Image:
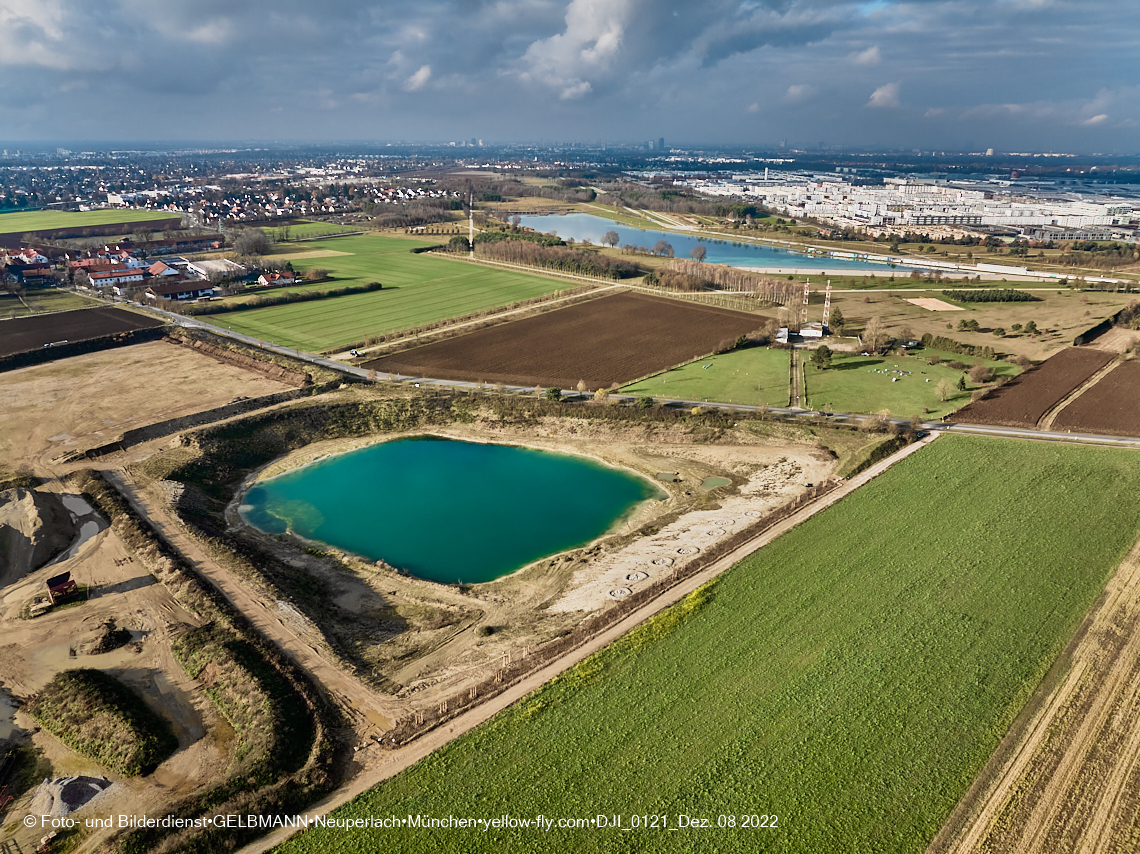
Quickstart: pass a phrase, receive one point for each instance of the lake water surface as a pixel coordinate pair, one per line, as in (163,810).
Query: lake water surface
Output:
(446,510)
(589,227)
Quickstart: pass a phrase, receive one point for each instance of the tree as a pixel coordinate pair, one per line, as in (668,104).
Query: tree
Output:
(821,357)
(999,332)
(944,388)
(874,335)
(610,238)
(837,322)
(553,394)
(980,373)
(697,253)
(962,383)
(662,248)
(459,243)
(1030,328)
(645,402)
(251,241)
(515,220)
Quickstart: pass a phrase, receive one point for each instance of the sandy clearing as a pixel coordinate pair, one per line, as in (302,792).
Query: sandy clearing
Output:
(932,304)
(1064,777)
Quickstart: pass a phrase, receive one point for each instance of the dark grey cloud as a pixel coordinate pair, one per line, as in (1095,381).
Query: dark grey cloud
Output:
(1028,73)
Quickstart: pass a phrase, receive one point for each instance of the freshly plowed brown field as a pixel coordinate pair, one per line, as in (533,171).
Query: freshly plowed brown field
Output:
(614,339)
(30,333)
(1111,407)
(1022,402)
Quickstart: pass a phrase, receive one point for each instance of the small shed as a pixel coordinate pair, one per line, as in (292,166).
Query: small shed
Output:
(60,587)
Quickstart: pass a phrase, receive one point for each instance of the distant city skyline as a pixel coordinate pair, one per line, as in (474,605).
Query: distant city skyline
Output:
(1012,75)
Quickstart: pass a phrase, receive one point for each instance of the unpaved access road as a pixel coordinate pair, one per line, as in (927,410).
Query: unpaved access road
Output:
(404,757)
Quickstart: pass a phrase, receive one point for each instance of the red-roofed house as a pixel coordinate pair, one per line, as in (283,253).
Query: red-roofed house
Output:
(276,279)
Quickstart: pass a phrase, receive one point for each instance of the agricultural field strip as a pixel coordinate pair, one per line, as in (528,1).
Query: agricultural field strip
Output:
(617,338)
(1022,403)
(1045,422)
(1108,406)
(406,756)
(33,221)
(34,331)
(1031,744)
(493,318)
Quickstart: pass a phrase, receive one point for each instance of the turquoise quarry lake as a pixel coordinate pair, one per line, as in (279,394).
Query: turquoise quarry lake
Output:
(734,253)
(447,510)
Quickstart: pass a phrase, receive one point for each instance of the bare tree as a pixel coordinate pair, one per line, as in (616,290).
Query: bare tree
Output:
(610,238)
(874,335)
(945,389)
(662,248)
(697,253)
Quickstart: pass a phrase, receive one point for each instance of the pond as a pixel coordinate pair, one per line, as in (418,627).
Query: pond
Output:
(446,510)
(719,251)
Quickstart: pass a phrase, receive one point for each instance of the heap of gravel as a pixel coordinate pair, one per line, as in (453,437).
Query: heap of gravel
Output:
(64,795)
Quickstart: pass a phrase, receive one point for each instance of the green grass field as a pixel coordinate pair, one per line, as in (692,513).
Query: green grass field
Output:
(308,228)
(750,377)
(42,300)
(22,223)
(418,289)
(851,678)
(864,383)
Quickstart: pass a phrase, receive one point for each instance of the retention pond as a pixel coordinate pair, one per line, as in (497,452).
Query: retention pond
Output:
(446,510)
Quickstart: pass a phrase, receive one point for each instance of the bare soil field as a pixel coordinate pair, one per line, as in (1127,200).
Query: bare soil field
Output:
(1110,406)
(1023,402)
(1116,340)
(31,333)
(87,400)
(614,339)
(1065,778)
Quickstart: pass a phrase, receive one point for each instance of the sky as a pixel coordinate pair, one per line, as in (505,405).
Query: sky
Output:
(1013,75)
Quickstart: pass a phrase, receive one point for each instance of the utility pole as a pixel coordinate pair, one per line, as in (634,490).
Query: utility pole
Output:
(471,223)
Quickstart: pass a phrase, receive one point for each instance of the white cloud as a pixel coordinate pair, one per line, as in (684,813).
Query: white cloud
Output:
(798,92)
(584,51)
(1096,120)
(418,80)
(870,56)
(754,107)
(886,95)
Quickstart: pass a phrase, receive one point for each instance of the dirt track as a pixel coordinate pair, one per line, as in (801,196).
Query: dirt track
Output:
(1066,778)
(405,757)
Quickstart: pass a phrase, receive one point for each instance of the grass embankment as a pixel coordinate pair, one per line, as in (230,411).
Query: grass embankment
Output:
(752,376)
(851,678)
(99,717)
(902,385)
(283,759)
(418,289)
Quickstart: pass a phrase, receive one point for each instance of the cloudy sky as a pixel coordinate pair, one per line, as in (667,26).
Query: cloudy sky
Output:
(1010,74)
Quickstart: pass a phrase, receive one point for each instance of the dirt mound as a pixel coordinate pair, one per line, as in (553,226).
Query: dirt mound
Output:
(268,369)
(34,528)
(64,795)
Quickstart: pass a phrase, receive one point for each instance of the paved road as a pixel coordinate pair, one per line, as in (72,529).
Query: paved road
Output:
(789,413)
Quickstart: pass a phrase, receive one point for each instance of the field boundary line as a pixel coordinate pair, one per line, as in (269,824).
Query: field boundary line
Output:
(409,754)
(1045,422)
(1050,714)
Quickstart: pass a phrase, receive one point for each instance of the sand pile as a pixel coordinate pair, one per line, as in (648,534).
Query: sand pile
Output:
(63,795)
(34,528)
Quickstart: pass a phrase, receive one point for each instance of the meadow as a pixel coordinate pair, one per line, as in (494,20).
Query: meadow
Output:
(851,678)
(750,377)
(40,300)
(418,289)
(856,383)
(31,221)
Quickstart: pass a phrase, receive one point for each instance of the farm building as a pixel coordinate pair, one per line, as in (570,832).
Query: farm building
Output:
(180,291)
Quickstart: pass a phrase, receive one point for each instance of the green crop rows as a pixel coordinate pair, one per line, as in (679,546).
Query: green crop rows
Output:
(752,376)
(851,678)
(418,289)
